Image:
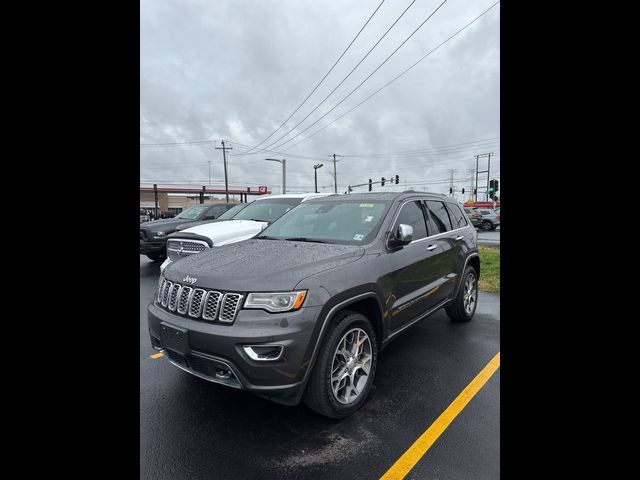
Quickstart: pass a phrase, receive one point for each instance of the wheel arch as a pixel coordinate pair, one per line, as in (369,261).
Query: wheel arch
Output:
(366,303)
(472,259)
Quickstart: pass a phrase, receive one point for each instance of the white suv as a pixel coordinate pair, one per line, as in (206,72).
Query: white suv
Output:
(247,223)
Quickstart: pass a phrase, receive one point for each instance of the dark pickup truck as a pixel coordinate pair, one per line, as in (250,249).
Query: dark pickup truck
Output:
(153,235)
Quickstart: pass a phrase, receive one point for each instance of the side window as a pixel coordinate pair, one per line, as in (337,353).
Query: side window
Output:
(439,221)
(458,219)
(215,212)
(220,209)
(412,214)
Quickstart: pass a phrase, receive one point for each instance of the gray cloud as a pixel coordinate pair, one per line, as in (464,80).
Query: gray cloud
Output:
(235,69)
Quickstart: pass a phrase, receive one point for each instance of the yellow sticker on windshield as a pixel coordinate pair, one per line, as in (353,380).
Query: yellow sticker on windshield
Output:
(366,205)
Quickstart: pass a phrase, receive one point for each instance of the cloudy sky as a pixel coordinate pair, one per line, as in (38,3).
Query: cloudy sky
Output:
(235,70)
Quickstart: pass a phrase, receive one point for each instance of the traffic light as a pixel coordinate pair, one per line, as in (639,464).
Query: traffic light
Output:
(350,189)
(450,190)
(475,191)
(370,185)
(463,191)
(495,185)
(491,188)
(397,179)
(382,182)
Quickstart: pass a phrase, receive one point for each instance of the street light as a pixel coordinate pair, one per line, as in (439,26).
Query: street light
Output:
(315,173)
(284,172)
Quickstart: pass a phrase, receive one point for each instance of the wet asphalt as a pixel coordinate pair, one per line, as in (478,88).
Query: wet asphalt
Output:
(492,237)
(191,428)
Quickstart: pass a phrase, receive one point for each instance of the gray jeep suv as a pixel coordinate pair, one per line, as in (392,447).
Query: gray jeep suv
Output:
(301,310)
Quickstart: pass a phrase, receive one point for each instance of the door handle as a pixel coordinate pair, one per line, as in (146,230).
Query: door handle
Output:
(460,237)
(432,247)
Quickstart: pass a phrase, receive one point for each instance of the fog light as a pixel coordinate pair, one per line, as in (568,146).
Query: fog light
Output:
(223,374)
(263,352)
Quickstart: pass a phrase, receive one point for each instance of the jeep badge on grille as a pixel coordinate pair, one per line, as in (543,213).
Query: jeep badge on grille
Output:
(189,280)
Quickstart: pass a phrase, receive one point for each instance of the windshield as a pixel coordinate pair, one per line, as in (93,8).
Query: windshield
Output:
(347,222)
(193,213)
(267,210)
(231,212)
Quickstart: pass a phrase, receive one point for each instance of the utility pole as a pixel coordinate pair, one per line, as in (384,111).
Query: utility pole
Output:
(472,173)
(315,174)
(209,172)
(224,159)
(451,171)
(335,172)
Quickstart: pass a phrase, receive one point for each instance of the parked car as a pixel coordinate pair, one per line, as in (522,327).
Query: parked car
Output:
(301,311)
(490,219)
(474,216)
(153,235)
(244,225)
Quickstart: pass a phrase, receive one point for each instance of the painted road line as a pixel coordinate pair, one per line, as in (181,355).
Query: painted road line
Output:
(157,355)
(416,451)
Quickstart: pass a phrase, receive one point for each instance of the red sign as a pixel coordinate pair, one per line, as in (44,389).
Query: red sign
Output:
(262,189)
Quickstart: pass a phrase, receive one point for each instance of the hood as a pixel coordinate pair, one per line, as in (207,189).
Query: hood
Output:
(228,231)
(261,265)
(191,223)
(164,225)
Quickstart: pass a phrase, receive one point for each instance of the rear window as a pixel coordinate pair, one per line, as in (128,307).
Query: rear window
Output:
(458,219)
(439,221)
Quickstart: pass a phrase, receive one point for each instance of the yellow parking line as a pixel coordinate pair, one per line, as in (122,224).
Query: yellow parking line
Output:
(157,355)
(415,452)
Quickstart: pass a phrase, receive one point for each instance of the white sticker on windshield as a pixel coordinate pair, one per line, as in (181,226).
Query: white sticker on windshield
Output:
(368,219)
(358,236)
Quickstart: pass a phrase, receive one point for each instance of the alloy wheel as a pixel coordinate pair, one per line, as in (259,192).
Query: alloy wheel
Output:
(351,366)
(470,294)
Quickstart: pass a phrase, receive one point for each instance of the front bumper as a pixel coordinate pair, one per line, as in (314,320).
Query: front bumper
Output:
(147,248)
(213,348)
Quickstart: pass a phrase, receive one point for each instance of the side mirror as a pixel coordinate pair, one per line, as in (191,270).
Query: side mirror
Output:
(403,235)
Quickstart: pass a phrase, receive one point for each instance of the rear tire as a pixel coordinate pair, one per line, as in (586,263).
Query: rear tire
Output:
(340,398)
(465,303)
(486,225)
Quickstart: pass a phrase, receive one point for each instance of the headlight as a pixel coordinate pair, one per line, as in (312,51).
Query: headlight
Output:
(159,234)
(276,302)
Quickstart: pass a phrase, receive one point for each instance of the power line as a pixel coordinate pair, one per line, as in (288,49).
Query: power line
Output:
(264,150)
(322,80)
(363,82)
(462,146)
(426,153)
(393,79)
(348,75)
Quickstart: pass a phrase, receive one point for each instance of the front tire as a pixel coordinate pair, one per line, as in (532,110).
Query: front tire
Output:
(465,303)
(156,257)
(486,225)
(345,368)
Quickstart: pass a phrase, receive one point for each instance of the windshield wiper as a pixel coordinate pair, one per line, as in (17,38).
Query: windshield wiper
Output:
(267,237)
(304,239)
